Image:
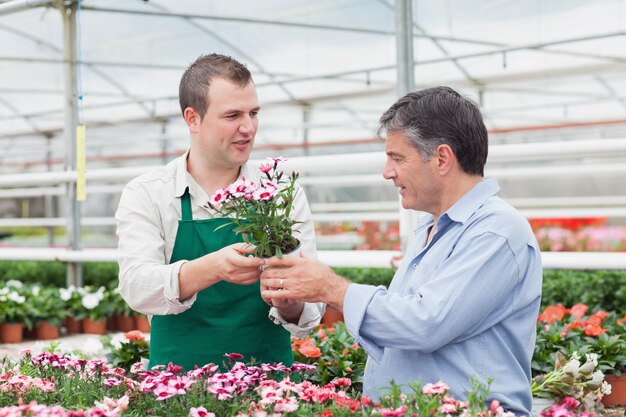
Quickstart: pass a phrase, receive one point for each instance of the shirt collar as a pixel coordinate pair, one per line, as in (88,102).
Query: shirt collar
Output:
(181,174)
(184,180)
(472,200)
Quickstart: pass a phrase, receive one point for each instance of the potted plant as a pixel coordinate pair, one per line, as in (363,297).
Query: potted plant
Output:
(123,314)
(14,312)
(97,310)
(49,311)
(261,210)
(75,310)
(569,330)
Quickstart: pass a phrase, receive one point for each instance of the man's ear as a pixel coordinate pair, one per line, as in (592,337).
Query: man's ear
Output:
(192,118)
(446,159)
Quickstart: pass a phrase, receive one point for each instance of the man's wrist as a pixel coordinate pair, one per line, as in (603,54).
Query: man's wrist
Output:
(337,291)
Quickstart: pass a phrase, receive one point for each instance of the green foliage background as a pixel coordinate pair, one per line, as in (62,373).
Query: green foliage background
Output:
(601,289)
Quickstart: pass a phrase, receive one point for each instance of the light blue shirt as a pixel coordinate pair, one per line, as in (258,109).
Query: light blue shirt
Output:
(464,305)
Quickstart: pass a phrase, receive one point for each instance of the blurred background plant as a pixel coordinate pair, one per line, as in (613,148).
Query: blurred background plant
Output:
(13,305)
(47,305)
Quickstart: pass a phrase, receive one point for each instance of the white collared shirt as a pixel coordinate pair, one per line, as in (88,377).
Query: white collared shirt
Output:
(147,222)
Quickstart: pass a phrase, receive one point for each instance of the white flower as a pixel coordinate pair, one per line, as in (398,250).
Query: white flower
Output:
(593,358)
(597,377)
(117,340)
(590,364)
(14,283)
(100,292)
(14,296)
(572,367)
(36,290)
(65,294)
(90,301)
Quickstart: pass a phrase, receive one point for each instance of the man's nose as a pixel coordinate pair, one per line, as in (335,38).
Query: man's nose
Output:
(247,125)
(388,172)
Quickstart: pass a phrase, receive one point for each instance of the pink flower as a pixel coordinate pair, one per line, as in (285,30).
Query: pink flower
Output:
(286,405)
(200,412)
(495,407)
(433,389)
(112,406)
(112,382)
(241,187)
(570,402)
(341,382)
(447,409)
(163,392)
(219,197)
(234,356)
(137,368)
(266,167)
(390,412)
(263,194)
(270,185)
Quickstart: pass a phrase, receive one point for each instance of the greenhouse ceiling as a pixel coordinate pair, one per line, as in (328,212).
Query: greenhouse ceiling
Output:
(325,70)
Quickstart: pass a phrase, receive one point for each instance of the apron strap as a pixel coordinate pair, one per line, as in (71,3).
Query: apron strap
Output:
(185,205)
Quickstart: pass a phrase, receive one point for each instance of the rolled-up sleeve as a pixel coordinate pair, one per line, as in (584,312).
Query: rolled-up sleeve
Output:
(309,318)
(147,283)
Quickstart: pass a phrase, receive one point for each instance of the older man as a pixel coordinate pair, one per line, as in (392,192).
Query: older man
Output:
(465,300)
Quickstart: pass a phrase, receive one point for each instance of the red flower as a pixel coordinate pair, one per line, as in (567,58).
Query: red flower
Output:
(234,356)
(578,310)
(552,314)
(308,349)
(134,335)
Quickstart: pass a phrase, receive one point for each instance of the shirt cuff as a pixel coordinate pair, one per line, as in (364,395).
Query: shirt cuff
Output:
(355,303)
(310,317)
(171,290)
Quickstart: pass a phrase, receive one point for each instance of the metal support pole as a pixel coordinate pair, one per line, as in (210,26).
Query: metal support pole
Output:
(405,84)
(404,47)
(68,11)
(306,118)
(49,207)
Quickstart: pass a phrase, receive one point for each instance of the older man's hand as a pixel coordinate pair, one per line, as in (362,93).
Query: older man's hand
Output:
(304,279)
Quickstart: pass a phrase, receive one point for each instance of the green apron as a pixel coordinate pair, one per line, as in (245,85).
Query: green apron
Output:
(225,318)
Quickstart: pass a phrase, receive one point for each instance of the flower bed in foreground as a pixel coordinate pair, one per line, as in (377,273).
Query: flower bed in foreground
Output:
(51,384)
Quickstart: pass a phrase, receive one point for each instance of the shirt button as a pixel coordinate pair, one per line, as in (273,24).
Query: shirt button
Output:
(414,266)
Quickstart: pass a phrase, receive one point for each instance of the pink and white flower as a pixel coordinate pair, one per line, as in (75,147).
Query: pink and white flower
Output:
(200,412)
(218,198)
(434,389)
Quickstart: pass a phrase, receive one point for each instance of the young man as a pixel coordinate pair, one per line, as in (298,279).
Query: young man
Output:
(196,282)
(465,299)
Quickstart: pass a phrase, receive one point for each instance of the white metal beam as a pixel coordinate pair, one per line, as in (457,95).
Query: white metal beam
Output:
(19,5)
(339,258)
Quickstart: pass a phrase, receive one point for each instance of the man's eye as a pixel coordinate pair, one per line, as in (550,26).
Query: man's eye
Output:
(254,113)
(231,116)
